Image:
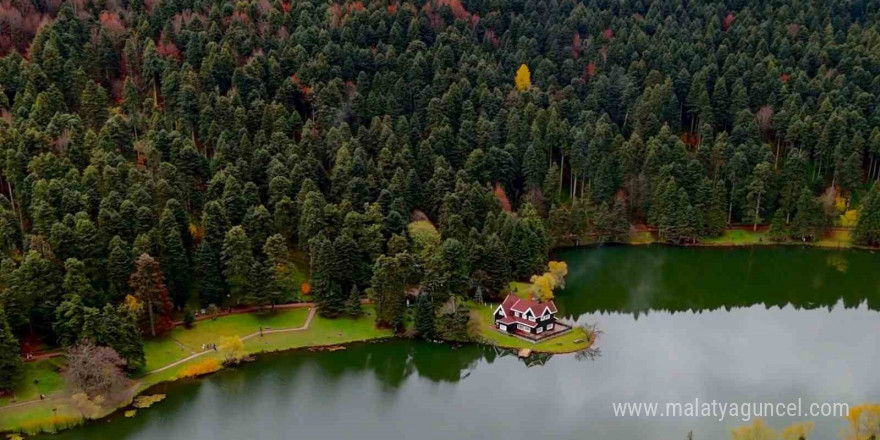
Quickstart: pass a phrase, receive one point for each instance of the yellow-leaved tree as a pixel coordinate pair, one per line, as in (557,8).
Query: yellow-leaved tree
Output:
(863,421)
(232,348)
(758,430)
(797,431)
(543,285)
(523,78)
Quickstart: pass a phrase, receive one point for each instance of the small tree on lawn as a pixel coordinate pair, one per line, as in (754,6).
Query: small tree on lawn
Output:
(149,287)
(232,348)
(95,371)
(353,304)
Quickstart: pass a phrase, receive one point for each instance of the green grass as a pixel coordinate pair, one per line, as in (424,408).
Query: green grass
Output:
(322,331)
(40,377)
(482,314)
(164,350)
(520,289)
(738,237)
(210,331)
(40,417)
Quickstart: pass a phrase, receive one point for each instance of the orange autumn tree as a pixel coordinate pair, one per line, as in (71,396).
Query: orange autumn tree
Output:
(523,78)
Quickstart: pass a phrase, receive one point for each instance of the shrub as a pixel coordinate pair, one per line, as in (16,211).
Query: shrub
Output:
(201,368)
(188,318)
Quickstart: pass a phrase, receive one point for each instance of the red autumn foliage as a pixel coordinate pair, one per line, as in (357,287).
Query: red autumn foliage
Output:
(339,14)
(492,38)
(285,7)
(296,81)
(116,86)
(168,50)
(392,9)
(263,7)
(794,29)
(728,21)
(576,45)
(240,17)
(112,23)
(19,23)
(458,10)
(607,34)
(589,71)
(784,77)
(502,198)
(434,18)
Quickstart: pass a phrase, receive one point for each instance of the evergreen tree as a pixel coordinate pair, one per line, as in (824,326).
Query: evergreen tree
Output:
(11,369)
(173,258)
(867,230)
(353,305)
(238,263)
(425,317)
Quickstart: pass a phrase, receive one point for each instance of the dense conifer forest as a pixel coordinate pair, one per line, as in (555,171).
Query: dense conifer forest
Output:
(166,155)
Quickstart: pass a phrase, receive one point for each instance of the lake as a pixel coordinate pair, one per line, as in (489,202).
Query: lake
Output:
(678,324)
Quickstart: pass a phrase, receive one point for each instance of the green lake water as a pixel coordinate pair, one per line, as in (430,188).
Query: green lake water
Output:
(733,325)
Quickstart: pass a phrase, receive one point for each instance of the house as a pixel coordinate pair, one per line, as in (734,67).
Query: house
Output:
(522,316)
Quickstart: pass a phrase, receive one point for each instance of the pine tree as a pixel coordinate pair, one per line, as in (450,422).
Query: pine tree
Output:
(326,288)
(173,258)
(425,317)
(777,226)
(353,305)
(387,290)
(119,265)
(867,230)
(238,263)
(11,369)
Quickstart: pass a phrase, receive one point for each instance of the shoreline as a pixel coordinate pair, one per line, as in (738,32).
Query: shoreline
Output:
(255,347)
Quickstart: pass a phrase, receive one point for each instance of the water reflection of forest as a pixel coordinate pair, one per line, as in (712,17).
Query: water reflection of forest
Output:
(637,280)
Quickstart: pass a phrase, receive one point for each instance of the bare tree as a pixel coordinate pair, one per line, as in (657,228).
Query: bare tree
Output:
(95,371)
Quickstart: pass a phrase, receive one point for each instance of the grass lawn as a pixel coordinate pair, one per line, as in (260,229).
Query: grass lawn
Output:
(41,377)
(210,331)
(520,289)
(40,417)
(482,314)
(322,332)
(164,350)
(738,237)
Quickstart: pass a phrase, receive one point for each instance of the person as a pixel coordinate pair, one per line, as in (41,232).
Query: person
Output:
(42,397)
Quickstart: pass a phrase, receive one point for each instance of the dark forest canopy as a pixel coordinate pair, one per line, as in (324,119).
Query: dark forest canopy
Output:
(217,137)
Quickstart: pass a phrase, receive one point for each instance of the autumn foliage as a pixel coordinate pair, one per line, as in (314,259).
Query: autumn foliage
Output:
(200,368)
(523,78)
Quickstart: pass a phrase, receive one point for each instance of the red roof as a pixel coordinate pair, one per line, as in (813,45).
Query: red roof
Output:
(514,303)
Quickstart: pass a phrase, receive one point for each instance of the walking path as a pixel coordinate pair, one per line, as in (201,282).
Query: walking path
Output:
(305,326)
(55,353)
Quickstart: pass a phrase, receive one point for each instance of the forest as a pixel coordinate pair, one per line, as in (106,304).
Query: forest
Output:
(162,156)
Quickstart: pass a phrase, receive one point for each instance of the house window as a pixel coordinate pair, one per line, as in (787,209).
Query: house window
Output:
(522,327)
(550,326)
(540,330)
(502,327)
(532,318)
(516,314)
